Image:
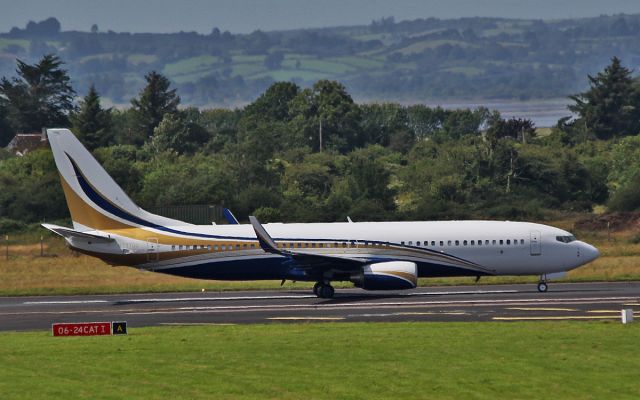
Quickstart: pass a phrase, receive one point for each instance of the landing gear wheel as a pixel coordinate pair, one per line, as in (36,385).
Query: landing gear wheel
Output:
(542,287)
(316,288)
(326,291)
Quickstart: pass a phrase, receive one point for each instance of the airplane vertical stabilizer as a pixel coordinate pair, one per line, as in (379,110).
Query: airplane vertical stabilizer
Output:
(95,200)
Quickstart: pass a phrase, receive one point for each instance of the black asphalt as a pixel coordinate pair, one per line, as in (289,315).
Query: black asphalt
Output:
(577,301)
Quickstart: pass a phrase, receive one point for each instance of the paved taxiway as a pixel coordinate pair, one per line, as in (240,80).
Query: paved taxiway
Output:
(578,301)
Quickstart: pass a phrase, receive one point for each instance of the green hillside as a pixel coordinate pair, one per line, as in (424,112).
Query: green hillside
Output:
(468,58)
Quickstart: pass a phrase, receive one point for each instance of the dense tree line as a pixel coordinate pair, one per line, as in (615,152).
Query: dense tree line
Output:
(375,161)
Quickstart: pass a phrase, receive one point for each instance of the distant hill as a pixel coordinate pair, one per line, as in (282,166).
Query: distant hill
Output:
(408,61)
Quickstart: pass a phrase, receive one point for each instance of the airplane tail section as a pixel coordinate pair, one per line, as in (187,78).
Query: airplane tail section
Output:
(95,200)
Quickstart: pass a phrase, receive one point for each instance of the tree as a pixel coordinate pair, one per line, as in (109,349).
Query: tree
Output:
(154,101)
(274,103)
(41,96)
(329,102)
(274,60)
(92,123)
(179,133)
(611,106)
(6,133)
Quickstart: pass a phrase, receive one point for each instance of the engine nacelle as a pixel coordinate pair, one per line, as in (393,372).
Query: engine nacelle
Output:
(391,275)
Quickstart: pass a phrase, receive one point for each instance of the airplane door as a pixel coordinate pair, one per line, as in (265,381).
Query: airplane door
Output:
(152,250)
(536,246)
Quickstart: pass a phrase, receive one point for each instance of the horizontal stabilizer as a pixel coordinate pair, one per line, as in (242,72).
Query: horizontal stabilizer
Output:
(69,233)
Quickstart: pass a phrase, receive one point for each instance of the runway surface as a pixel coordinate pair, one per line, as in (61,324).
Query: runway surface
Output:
(578,301)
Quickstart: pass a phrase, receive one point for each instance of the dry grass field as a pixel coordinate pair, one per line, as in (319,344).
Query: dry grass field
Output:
(61,271)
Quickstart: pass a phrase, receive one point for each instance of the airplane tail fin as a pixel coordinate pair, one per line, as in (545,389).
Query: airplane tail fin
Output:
(95,200)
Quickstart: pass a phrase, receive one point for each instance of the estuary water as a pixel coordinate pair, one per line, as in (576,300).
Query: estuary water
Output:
(544,113)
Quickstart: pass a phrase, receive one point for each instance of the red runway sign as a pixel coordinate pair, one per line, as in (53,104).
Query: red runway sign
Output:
(82,329)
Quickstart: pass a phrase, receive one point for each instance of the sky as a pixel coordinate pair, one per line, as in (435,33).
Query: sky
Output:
(243,16)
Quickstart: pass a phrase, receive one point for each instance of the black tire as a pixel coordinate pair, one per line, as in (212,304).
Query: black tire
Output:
(542,287)
(316,288)
(326,291)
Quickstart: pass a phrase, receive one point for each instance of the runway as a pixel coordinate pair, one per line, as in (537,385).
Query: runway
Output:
(577,301)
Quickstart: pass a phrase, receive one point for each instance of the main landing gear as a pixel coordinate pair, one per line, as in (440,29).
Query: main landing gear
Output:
(542,285)
(323,290)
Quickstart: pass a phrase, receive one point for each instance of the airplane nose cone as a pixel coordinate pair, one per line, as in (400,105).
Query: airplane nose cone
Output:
(588,252)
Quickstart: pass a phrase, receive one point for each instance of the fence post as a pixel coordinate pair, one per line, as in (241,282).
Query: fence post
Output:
(6,238)
(41,246)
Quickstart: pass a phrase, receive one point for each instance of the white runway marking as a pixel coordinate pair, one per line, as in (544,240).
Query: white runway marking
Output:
(306,318)
(379,305)
(33,303)
(240,298)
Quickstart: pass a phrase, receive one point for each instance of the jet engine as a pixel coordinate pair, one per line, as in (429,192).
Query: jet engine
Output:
(390,275)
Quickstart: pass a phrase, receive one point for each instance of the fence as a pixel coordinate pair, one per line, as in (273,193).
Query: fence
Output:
(201,214)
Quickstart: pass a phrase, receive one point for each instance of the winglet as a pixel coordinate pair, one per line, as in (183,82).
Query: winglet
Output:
(266,242)
(228,215)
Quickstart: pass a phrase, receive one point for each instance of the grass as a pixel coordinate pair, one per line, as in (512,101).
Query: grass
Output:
(190,65)
(4,43)
(421,46)
(345,361)
(289,74)
(137,59)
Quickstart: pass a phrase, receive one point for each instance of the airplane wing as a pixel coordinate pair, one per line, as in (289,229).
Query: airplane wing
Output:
(303,259)
(69,233)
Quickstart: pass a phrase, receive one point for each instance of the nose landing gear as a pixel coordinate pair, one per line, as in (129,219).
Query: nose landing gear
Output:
(542,285)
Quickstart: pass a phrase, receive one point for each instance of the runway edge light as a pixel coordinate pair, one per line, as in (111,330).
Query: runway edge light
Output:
(627,315)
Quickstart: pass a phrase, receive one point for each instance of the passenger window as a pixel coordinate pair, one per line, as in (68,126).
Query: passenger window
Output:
(402,243)
(464,242)
(457,243)
(501,242)
(237,247)
(244,246)
(508,241)
(486,242)
(173,247)
(223,248)
(473,243)
(433,243)
(209,248)
(449,242)
(441,243)
(479,242)
(521,241)
(418,243)
(494,242)
(215,247)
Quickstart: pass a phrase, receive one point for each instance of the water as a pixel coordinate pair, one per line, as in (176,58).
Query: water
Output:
(544,113)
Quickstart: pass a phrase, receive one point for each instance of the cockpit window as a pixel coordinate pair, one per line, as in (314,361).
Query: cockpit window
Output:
(565,239)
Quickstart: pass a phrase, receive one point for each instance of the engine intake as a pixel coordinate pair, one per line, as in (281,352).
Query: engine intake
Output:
(391,275)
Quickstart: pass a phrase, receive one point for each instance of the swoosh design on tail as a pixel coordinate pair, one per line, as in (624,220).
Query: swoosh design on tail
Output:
(101,201)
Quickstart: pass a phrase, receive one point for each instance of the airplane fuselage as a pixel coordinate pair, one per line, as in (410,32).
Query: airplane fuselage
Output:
(440,248)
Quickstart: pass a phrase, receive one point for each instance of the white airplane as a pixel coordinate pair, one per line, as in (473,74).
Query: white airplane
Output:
(372,255)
